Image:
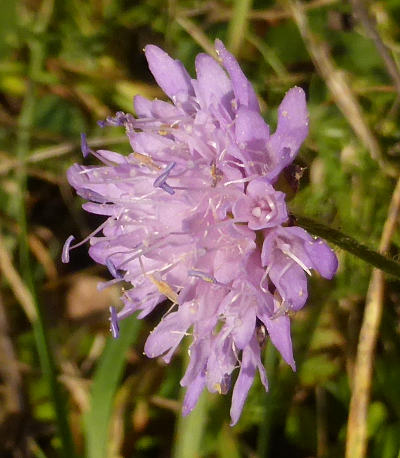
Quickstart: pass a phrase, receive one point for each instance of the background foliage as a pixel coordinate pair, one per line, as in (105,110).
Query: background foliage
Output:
(65,387)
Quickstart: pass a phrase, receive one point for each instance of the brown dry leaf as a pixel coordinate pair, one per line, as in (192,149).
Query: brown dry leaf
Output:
(84,299)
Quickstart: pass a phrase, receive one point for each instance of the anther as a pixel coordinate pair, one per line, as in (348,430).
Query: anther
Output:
(161,180)
(114,327)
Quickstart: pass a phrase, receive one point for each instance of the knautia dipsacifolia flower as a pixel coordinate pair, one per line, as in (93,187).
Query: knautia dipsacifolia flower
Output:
(192,216)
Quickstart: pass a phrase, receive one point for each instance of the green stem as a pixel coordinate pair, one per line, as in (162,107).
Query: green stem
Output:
(269,403)
(25,122)
(189,433)
(352,246)
(238,24)
(105,384)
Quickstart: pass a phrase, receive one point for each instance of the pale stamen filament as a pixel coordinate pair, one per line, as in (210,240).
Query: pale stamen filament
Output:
(296,260)
(264,277)
(242,180)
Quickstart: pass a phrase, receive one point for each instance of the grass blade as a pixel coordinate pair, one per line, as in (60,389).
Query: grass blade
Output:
(238,25)
(105,382)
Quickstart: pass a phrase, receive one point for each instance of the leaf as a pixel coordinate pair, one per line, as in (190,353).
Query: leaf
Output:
(105,382)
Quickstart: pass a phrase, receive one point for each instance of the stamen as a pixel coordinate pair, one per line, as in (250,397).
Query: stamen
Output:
(160,181)
(271,204)
(86,151)
(181,333)
(106,284)
(112,269)
(66,249)
(162,286)
(114,328)
(242,180)
(284,270)
(263,278)
(202,276)
(236,353)
(174,304)
(142,251)
(67,245)
(84,146)
(281,310)
(167,188)
(120,119)
(296,260)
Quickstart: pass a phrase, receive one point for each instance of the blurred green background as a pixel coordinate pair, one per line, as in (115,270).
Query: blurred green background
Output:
(66,388)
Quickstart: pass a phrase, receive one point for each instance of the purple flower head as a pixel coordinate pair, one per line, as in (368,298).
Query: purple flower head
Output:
(184,215)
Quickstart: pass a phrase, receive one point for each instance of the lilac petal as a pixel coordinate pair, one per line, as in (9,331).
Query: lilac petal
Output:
(99,209)
(144,297)
(293,115)
(169,333)
(213,82)
(262,373)
(242,209)
(251,130)
(155,109)
(244,328)
(227,262)
(199,352)
(291,131)
(290,280)
(323,258)
(193,393)
(221,362)
(170,74)
(150,144)
(142,106)
(250,358)
(111,156)
(279,332)
(165,111)
(242,88)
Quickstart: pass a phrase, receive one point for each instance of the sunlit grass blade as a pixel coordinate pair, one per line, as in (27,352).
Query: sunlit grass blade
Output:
(22,147)
(270,403)
(190,430)
(105,382)
(238,24)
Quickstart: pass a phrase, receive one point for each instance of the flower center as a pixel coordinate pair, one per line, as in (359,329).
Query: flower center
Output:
(264,210)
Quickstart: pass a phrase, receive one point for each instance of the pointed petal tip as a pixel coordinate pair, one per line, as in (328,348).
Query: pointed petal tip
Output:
(218,44)
(169,73)
(233,422)
(152,48)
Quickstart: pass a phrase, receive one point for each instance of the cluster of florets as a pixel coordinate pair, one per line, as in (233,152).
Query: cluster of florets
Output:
(193,217)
